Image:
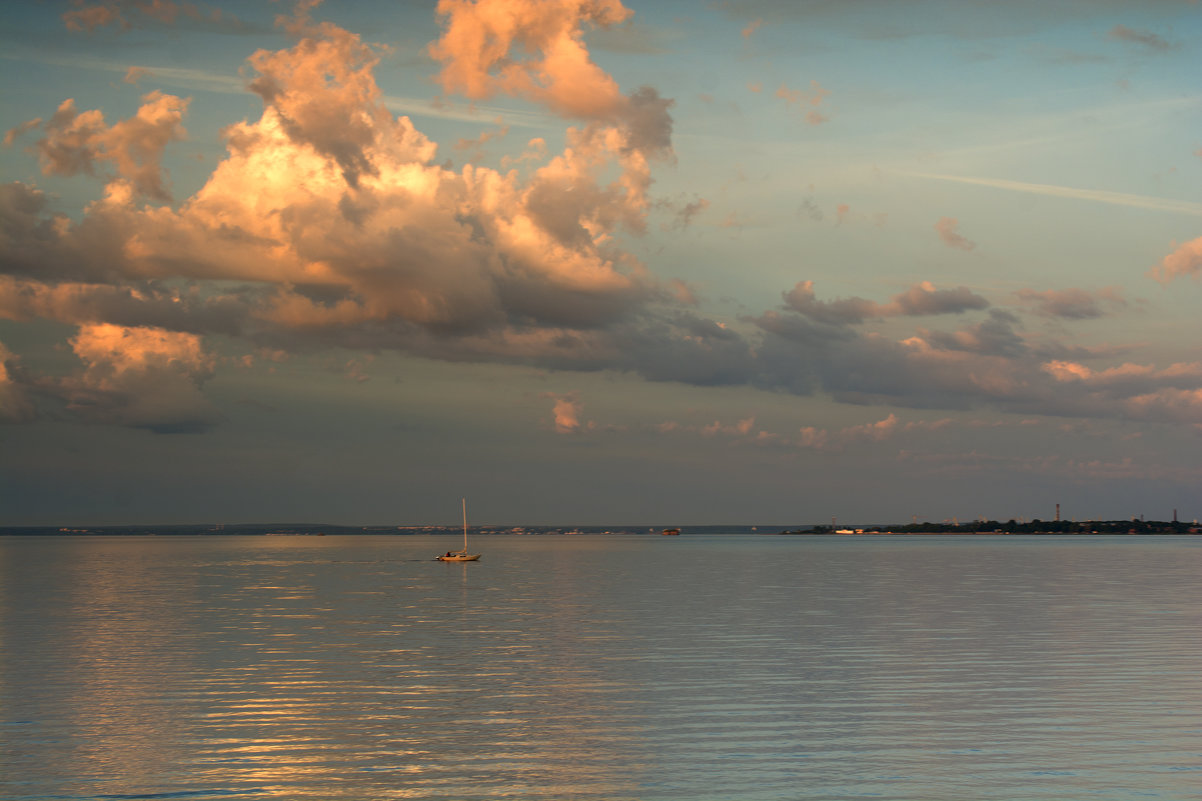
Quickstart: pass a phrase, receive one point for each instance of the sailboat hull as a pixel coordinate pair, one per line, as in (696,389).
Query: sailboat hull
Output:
(460,555)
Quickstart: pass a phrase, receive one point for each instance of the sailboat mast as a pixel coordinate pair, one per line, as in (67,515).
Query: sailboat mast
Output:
(464,524)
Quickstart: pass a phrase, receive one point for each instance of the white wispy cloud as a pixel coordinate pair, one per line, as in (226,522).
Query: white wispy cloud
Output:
(1052,190)
(483,115)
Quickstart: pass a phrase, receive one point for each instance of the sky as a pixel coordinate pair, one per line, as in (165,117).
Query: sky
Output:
(596,262)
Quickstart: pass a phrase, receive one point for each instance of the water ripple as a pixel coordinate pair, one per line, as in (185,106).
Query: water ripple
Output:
(601,668)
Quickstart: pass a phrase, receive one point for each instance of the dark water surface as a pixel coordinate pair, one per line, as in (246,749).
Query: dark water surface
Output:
(601,667)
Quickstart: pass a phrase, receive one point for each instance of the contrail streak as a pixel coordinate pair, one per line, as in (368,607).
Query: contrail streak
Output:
(226,83)
(1096,195)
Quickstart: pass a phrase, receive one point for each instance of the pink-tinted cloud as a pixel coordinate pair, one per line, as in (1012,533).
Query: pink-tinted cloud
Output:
(878,431)
(1138,391)
(1185,260)
(324,95)
(682,292)
(1145,38)
(13,133)
(110,352)
(566,412)
(752,27)
(475,147)
(1169,403)
(987,363)
(1125,374)
(946,228)
(140,377)
(536,150)
(332,223)
(328,190)
(88,16)
(683,213)
(740,428)
(480,41)
(76,142)
(356,369)
(802,99)
(813,438)
(1074,304)
(135,74)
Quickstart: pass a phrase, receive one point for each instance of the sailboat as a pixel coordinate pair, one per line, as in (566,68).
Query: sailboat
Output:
(463,555)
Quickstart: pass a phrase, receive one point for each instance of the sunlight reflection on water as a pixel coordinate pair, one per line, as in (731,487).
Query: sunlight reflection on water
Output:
(605,667)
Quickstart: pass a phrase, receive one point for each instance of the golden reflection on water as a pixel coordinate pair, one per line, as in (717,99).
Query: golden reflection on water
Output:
(597,668)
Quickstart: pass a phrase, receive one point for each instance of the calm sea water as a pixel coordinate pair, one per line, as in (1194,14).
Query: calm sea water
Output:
(601,667)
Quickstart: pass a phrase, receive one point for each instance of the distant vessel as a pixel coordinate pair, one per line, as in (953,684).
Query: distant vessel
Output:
(463,555)
(670,532)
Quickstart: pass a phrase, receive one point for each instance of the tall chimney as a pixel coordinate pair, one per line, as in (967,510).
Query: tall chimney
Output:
(1057,513)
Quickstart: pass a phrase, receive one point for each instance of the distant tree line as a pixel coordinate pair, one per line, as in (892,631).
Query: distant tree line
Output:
(1035,526)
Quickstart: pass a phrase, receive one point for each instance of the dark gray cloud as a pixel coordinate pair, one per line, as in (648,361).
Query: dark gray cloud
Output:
(15,405)
(920,300)
(924,299)
(994,336)
(647,123)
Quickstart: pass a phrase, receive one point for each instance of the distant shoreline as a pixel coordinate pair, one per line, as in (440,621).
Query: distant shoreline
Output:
(977,528)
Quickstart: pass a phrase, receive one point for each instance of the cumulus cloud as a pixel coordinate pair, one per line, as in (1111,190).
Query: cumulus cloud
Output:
(324,95)
(946,228)
(812,346)
(139,377)
(339,208)
(480,41)
(331,223)
(1185,260)
(76,142)
(1139,391)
